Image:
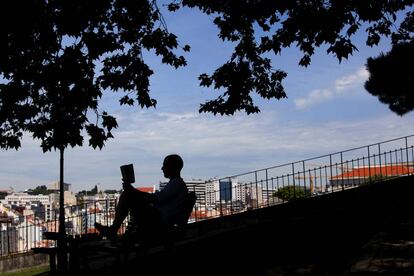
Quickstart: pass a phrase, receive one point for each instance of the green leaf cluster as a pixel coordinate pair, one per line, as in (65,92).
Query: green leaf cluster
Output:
(290,192)
(39,190)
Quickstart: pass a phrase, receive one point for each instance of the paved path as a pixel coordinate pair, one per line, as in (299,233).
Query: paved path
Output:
(389,252)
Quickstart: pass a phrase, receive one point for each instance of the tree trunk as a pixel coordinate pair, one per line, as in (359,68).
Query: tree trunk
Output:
(62,252)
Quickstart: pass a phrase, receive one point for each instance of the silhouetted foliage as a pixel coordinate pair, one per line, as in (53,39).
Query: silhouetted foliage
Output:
(392,78)
(258,27)
(57,57)
(289,193)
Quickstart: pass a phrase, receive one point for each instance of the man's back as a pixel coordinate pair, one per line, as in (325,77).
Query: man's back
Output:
(171,199)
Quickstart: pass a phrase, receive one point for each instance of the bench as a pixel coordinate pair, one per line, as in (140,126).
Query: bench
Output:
(71,248)
(51,251)
(140,239)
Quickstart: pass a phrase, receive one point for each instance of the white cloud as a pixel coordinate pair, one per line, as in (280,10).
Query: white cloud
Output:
(341,85)
(314,97)
(211,146)
(352,80)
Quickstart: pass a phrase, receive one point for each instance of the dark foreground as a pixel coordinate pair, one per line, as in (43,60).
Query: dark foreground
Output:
(364,231)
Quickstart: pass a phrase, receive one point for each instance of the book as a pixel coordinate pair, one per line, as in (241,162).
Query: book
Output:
(127,172)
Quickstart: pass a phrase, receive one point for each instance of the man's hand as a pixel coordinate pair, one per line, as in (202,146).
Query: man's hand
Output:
(126,185)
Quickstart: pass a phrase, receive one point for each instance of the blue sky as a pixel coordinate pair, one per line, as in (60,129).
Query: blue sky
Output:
(327,110)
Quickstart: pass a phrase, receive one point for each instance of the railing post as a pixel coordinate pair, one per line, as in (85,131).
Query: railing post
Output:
(267,188)
(221,202)
(330,167)
(207,200)
(257,191)
(231,196)
(277,185)
(369,166)
(406,150)
(94,212)
(8,237)
(106,212)
(27,233)
(379,157)
(304,177)
(342,172)
(86,218)
(412,155)
(293,178)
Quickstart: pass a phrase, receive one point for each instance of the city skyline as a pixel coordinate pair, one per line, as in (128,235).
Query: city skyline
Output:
(327,110)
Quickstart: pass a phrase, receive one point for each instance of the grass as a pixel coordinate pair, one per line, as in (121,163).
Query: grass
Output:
(28,271)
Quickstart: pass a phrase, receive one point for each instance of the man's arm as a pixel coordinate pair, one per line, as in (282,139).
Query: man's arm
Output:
(151,198)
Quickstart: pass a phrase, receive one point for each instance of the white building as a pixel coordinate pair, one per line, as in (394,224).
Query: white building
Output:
(29,233)
(69,199)
(212,192)
(31,202)
(22,199)
(254,196)
(54,186)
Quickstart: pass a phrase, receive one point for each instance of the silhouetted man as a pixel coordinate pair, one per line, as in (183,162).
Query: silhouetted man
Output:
(159,208)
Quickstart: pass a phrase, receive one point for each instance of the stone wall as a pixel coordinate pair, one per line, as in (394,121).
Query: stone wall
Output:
(21,261)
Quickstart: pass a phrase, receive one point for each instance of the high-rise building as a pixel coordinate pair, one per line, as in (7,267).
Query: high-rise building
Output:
(226,190)
(212,193)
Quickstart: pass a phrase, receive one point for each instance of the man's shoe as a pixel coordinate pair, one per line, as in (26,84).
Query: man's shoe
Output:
(106,231)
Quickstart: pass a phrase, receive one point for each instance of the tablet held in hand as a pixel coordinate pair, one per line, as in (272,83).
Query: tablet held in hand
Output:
(127,172)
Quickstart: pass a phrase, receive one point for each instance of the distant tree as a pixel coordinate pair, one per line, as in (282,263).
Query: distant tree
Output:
(111,191)
(39,190)
(82,193)
(94,190)
(90,192)
(392,77)
(290,192)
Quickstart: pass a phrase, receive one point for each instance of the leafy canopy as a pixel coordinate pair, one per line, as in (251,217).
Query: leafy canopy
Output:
(49,57)
(58,56)
(392,78)
(262,26)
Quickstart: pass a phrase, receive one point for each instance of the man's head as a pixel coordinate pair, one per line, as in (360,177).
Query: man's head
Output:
(172,166)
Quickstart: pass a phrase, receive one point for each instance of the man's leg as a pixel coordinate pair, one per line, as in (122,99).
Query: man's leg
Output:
(122,209)
(127,201)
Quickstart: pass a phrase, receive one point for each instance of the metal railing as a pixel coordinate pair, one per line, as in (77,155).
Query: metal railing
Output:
(21,233)
(310,177)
